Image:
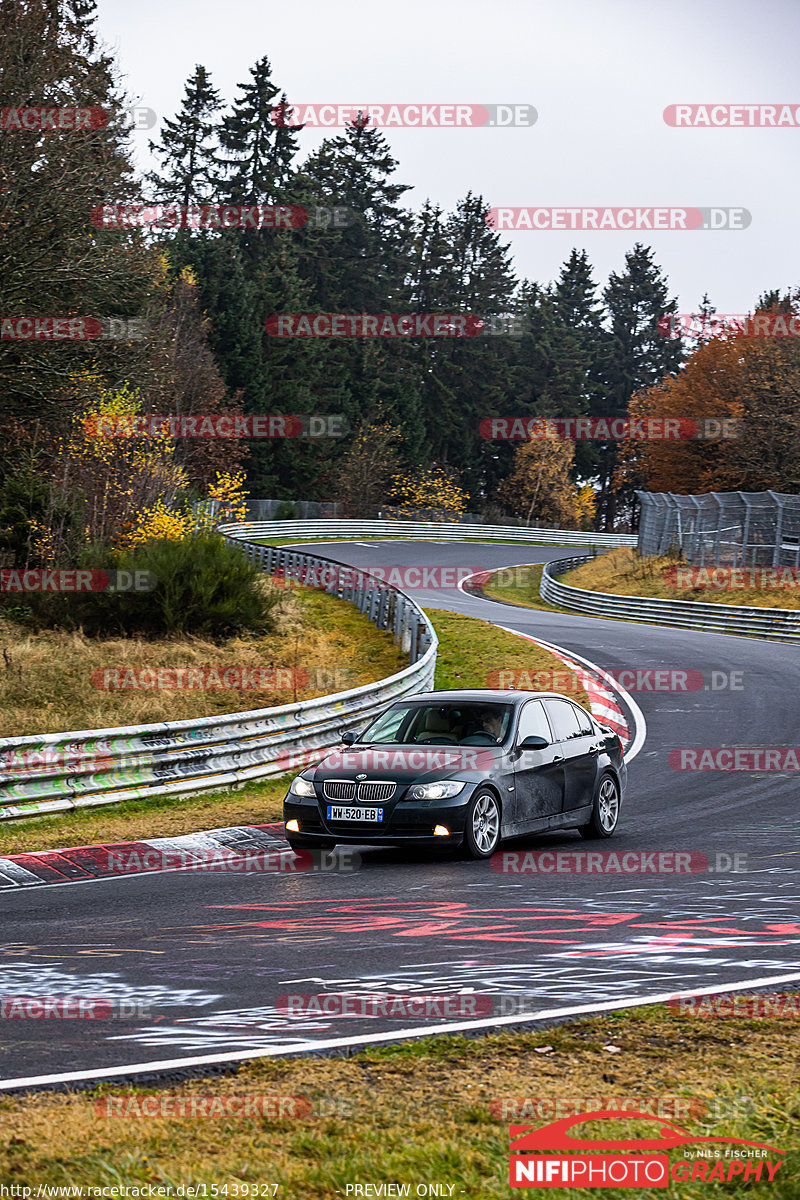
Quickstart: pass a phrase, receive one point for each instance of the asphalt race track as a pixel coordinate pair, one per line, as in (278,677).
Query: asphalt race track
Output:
(208,955)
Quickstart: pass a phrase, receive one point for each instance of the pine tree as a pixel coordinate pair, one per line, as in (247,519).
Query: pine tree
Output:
(187,150)
(258,147)
(466,379)
(638,354)
(53,260)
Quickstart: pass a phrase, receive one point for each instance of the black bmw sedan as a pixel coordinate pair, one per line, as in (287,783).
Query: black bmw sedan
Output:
(462,769)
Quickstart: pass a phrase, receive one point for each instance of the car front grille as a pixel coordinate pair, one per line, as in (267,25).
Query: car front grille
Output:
(376,791)
(339,789)
(345,789)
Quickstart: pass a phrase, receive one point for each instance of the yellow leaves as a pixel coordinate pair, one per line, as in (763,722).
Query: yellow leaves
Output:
(540,484)
(431,488)
(229,495)
(585,502)
(158,522)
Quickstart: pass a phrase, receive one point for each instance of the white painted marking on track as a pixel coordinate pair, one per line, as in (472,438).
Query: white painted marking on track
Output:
(391,1035)
(638,716)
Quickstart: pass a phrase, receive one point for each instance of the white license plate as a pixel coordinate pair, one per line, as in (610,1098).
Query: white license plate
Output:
(337,813)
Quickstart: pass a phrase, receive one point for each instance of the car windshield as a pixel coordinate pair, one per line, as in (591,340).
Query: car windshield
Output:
(477,723)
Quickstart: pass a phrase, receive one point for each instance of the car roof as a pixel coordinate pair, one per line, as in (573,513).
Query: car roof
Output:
(481,695)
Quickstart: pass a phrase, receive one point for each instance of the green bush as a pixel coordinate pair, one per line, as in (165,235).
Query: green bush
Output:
(285,511)
(204,587)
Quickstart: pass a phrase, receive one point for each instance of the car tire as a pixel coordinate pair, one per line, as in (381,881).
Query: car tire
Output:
(482,825)
(605,810)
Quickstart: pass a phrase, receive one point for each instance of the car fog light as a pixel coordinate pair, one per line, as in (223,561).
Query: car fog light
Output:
(441,831)
(293,826)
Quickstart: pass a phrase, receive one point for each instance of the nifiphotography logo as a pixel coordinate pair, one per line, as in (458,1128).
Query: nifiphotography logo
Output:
(632,1163)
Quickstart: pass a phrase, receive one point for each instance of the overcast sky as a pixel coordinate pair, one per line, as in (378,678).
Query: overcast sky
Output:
(599,73)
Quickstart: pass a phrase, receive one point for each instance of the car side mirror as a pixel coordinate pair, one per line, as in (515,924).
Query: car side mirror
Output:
(349,737)
(533,743)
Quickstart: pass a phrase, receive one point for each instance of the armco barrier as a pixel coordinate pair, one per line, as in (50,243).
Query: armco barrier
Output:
(53,772)
(780,624)
(350,528)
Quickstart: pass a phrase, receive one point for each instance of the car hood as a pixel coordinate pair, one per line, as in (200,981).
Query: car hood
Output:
(403,764)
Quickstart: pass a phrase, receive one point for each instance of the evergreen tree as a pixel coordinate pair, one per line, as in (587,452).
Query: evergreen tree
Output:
(187,150)
(53,260)
(638,354)
(465,379)
(258,147)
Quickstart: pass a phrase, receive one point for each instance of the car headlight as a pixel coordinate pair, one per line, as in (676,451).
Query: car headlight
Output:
(302,787)
(437,791)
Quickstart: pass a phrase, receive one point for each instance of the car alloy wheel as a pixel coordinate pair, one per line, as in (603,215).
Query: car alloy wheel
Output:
(483,825)
(605,810)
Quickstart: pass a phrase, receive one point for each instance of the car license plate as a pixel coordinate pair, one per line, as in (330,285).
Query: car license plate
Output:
(339,813)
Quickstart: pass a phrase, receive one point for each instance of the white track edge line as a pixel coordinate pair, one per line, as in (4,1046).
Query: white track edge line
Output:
(391,1035)
(640,725)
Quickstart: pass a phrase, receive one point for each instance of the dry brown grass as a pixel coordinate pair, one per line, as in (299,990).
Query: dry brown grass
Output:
(46,679)
(424,1111)
(625,572)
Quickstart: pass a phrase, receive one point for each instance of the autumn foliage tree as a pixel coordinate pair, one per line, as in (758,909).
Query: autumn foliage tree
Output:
(540,484)
(431,491)
(753,383)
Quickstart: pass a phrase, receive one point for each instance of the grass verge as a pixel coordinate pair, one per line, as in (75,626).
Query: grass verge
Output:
(518,585)
(53,680)
(433,1110)
(474,653)
(624,572)
(469,650)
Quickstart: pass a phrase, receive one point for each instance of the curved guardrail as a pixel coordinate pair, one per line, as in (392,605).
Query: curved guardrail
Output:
(351,528)
(780,624)
(46,773)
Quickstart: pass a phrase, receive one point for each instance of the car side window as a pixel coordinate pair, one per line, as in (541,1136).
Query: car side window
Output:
(564,718)
(584,720)
(533,722)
